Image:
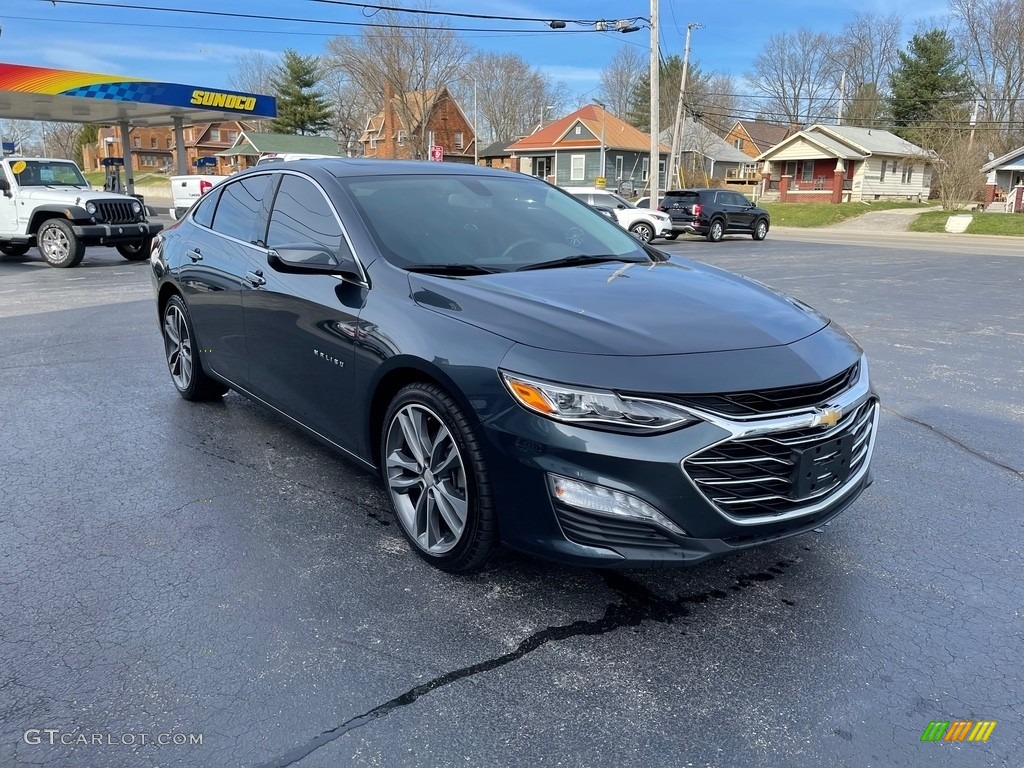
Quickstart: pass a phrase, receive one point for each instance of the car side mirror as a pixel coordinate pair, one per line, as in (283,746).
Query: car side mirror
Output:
(312,259)
(5,187)
(620,206)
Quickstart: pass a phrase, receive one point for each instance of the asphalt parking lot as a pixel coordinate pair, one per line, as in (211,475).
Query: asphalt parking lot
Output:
(170,568)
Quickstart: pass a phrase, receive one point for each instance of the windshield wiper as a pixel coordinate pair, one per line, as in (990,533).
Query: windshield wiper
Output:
(453,269)
(580,259)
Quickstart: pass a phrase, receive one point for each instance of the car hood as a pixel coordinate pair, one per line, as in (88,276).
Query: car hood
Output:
(666,308)
(68,195)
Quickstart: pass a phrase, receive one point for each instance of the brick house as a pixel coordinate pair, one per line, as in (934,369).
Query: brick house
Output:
(153,148)
(843,163)
(753,137)
(433,114)
(567,152)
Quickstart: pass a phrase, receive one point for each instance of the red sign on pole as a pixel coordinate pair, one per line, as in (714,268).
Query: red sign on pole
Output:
(437,153)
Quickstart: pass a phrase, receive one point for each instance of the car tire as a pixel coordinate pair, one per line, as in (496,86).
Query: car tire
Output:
(449,517)
(184,360)
(642,231)
(137,250)
(716,230)
(14,249)
(59,245)
(671,235)
(760,229)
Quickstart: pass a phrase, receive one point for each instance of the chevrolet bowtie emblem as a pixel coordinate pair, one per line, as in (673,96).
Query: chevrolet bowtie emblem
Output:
(828,417)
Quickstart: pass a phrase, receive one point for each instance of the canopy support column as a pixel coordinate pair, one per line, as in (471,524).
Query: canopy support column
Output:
(126,150)
(179,144)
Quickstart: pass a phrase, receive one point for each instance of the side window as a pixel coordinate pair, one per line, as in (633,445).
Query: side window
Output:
(302,216)
(203,212)
(607,200)
(238,211)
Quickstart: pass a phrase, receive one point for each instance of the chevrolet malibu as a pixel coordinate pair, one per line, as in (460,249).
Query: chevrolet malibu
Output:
(518,369)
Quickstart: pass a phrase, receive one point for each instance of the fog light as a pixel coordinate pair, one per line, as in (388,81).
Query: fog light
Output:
(606,501)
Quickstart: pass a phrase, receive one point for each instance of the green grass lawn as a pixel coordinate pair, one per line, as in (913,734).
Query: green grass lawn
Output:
(824,214)
(983,223)
(142,179)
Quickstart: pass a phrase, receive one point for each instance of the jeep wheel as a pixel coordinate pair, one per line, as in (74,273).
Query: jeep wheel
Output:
(642,231)
(58,244)
(137,250)
(716,230)
(13,249)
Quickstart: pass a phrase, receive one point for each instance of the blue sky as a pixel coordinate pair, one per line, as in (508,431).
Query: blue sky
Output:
(41,33)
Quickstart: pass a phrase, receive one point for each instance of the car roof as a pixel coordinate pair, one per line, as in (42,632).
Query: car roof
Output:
(350,167)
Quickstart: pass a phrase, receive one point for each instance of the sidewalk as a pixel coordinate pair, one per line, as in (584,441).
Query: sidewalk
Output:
(893,220)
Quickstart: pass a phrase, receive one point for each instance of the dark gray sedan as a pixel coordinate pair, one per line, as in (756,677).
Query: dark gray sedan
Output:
(517,368)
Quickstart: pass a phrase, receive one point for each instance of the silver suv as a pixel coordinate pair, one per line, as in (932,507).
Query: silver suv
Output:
(644,224)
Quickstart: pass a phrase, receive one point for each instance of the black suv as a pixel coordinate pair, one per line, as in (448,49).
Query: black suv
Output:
(714,213)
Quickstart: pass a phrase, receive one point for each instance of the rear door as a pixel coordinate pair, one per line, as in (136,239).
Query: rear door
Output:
(302,328)
(216,268)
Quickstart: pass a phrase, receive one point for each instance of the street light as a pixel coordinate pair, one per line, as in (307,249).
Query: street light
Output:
(604,109)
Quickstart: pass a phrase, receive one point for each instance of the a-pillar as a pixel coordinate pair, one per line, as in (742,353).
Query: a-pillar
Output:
(837,181)
(126,151)
(179,147)
(784,188)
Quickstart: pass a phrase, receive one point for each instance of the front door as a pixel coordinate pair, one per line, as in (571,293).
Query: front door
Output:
(8,209)
(302,328)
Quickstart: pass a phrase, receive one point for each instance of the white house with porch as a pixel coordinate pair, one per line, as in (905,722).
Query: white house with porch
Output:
(1004,181)
(842,163)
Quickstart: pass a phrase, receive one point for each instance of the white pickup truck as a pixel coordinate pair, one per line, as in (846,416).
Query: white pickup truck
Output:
(48,203)
(185,190)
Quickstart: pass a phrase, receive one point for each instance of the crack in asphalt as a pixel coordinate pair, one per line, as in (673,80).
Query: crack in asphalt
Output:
(958,443)
(639,604)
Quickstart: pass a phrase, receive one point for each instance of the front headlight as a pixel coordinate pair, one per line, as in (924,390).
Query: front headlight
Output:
(90,208)
(136,207)
(594,406)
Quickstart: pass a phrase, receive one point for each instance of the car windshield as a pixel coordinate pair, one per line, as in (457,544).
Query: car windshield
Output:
(503,223)
(43,173)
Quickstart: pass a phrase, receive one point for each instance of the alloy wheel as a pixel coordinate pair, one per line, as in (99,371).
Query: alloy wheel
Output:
(178,346)
(427,479)
(55,245)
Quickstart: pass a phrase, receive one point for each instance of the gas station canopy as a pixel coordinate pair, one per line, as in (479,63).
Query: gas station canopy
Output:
(63,95)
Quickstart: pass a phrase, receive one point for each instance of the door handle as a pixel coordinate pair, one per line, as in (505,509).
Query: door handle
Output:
(194,254)
(256,278)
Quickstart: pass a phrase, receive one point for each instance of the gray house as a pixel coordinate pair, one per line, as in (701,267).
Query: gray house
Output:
(704,155)
(568,152)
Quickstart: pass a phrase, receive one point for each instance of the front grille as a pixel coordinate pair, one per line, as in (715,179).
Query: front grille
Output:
(762,401)
(115,211)
(782,472)
(602,531)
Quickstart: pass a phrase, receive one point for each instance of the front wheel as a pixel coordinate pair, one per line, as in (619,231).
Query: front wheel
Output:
(642,231)
(716,231)
(183,357)
(433,466)
(59,245)
(760,230)
(137,250)
(13,249)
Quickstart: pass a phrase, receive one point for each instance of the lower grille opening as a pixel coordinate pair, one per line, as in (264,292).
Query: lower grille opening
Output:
(784,471)
(600,531)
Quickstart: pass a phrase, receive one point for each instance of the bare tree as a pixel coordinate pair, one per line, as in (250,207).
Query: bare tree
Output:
(797,73)
(254,72)
(619,79)
(61,139)
(512,96)
(990,38)
(712,100)
(24,134)
(866,51)
(407,62)
(955,160)
(350,107)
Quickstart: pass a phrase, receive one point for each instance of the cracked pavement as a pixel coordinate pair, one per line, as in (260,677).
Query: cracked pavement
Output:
(168,567)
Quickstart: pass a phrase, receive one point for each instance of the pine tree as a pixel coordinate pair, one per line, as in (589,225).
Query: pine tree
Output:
(302,107)
(927,80)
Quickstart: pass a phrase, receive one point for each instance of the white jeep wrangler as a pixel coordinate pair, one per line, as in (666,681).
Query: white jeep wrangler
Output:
(49,204)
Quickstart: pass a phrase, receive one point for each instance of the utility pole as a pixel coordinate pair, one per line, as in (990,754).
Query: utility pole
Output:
(677,128)
(601,104)
(974,123)
(842,99)
(652,173)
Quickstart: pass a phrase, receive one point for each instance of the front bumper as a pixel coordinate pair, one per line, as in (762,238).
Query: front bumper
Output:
(527,448)
(108,234)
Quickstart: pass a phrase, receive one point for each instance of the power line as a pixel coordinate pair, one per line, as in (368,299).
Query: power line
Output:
(491,17)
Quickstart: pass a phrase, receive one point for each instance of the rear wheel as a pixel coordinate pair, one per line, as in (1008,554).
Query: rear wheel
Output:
(137,250)
(642,231)
(671,235)
(716,231)
(183,357)
(14,249)
(760,230)
(433,466)
(59,245)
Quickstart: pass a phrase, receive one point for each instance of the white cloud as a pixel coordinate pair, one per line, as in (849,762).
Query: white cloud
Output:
(572,74)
